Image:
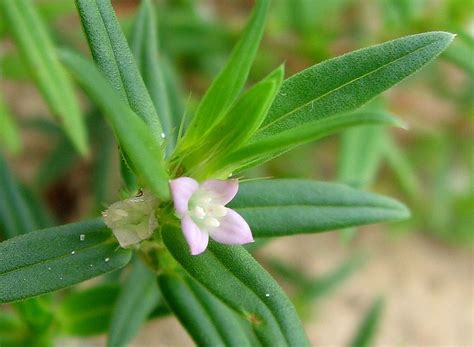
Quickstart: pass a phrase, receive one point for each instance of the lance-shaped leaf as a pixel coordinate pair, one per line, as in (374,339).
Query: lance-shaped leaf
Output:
(9,135)
(87,312)
(292,206)
(15,215)
(368,327)
(55,258)
(345,83)
(360,155)
(227,86)
(38,52)
(401,166)
(144,46)
(112,54)
(138,297)
(269,147)
(207,320)
(237,126)
(135,138)
(237,279)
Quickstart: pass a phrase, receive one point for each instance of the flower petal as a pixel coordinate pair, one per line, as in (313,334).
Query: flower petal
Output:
(233,230)
(196,238)
(223,191)
(181,190)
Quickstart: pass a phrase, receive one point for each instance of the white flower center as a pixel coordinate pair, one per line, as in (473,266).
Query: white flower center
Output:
(205,211)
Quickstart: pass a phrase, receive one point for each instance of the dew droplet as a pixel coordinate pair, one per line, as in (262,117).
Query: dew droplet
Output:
(267,295)
(107,259)
(90,265)
(73,252)
(61,278)
(82,237)
(49,268)
(163,135)
(283,94)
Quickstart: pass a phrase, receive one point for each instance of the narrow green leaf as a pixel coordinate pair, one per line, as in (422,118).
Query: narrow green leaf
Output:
(369,325)
(269,147)
(402,167)
(134,136)
(360,155)
(343,84)
(112,54)
(144,45)
(208,321)
(55,258)
(227,86)
(292,206)
(15,215)
(42,216)
(327,283)
(237,126)
(87,312)
(38,52)
(138,297)
(233,276)
(9,134)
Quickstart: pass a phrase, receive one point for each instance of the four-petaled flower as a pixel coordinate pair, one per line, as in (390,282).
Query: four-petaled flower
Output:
(201,208)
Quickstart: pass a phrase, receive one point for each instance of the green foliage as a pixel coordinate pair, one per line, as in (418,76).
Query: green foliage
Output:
(233,276)
(369,325)
(63,255)
(290,206)
(268,148)
(236,127)
(9,135)
(137,298)
(227,86)
(144,45)
(135,138)
(208,321)
(38,52)
(15,216)
(87,312)
(112,54)
(347,82)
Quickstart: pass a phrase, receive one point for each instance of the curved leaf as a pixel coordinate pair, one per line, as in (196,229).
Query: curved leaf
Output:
(135,138)
(16,217)
(269,147)
(110,50)
(227,86)
(9,134)
(292,206)
(144,46)
(137,299)
(55,258)
(233,275)
(38,52)
(343,84)
(208,321)
(369,325)
(87,312)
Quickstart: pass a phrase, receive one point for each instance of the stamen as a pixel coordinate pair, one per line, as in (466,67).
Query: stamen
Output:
(211,222)
(199,212)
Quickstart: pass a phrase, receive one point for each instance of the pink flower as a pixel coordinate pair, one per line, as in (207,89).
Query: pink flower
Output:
(201,208)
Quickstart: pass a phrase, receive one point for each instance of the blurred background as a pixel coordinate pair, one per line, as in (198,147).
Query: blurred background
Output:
(417,277)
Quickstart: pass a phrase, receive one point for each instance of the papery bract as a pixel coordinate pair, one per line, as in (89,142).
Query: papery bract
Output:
(201,208)
(132,220)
